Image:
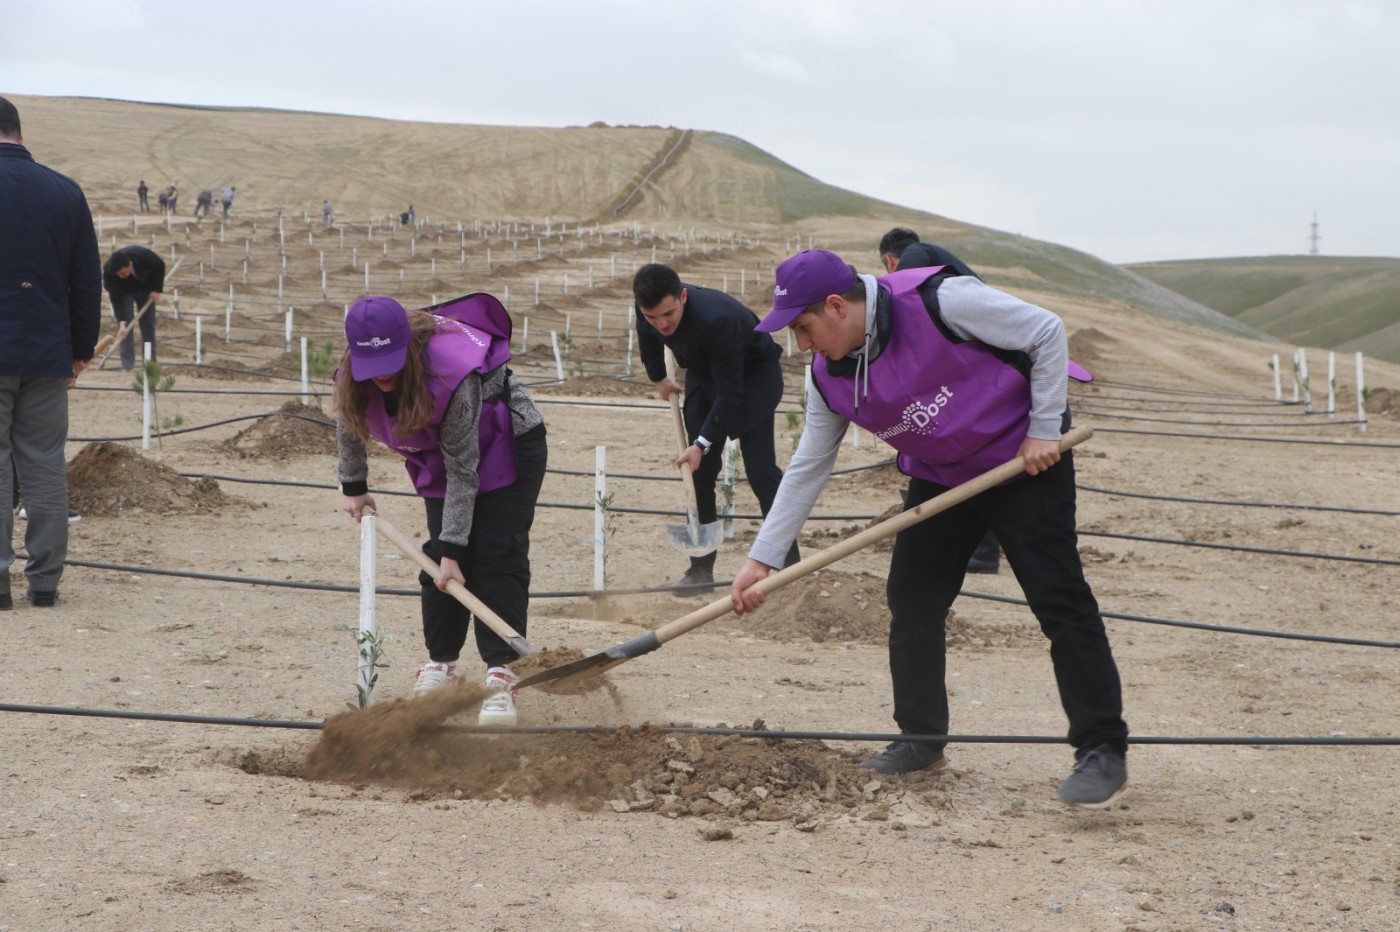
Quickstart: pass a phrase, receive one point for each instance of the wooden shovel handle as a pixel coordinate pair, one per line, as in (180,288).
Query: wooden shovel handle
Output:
(887,528)
(458,591)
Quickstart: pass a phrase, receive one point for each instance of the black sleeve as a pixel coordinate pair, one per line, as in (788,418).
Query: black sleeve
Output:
(651,349)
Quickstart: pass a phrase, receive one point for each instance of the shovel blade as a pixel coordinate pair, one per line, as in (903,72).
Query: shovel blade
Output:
(706,538)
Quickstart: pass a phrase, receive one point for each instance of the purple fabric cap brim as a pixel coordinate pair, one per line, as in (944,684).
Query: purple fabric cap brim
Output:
(364,368)
(779,318)
(1079,373)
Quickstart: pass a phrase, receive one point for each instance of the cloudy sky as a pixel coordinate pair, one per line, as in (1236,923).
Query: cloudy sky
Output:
(1130,129)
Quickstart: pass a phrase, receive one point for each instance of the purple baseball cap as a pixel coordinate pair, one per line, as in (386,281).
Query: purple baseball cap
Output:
(377,331)
(807,278)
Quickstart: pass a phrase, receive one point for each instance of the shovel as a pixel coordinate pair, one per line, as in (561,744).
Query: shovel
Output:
(646,643)
(692,538)
(455,589)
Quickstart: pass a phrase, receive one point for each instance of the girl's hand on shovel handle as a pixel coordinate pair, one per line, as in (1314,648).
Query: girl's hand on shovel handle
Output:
(1039,455)
(450,571)
(751,572)
(355,505)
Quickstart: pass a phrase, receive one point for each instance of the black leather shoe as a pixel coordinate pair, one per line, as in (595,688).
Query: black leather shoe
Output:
(41,599)
(7,602)
(906,757)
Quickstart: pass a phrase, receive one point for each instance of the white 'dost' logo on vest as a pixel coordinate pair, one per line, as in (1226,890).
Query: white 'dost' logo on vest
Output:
(919,417)
(462,327)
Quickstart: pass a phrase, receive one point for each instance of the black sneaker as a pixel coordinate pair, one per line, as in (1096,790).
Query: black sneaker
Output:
(697,579)
(1100,776)
(41,599)
(906,757)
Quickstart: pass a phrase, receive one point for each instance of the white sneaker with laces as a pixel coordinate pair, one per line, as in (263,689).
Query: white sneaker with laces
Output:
(434,675)
(499,707)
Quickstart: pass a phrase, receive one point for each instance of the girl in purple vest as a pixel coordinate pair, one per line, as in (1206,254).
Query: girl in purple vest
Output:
(434,387)
(959,378)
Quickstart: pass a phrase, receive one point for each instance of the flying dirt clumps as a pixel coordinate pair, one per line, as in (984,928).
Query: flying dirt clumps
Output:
(294,429)
(106,479)
(403,744)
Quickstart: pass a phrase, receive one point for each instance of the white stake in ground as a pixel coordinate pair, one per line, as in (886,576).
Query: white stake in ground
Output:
(368,632)
(146,397)
(558,360)
(1278,382)
(1360,395)
(305,374)
(1331,384)
(198,338)
(1303,377)
(287,332)
(600,518)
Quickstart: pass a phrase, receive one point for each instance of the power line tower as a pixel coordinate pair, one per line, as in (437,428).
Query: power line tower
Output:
(1314,237)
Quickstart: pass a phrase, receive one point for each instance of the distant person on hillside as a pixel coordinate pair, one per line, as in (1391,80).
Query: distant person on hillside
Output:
(50,315)
(142,203)
(202,202)
(901,248)
(134,277)
(985,374)
(226,198)
(407,217)
(163,199)
(172,194)
(326,217)
(733,385)
(438,391)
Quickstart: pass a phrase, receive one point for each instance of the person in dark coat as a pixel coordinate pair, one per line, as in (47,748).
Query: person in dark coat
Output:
(50,314)
(733,384)
(134,276)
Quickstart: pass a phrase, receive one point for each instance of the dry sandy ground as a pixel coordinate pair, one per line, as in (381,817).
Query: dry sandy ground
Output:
(397,822)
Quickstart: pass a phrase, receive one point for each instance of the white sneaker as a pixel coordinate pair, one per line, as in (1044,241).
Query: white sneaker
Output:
(433,675)
(499,707)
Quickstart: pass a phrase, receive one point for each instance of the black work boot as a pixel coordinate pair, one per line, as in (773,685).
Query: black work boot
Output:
(700,577)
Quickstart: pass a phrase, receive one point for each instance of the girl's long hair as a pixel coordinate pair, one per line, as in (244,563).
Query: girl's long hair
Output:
(416,406)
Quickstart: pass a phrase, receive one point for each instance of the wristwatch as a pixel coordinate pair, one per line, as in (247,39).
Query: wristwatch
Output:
(703,444)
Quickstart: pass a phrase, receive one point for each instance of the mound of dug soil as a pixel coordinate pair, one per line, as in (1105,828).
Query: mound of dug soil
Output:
(402,744)
(106,479)
(294,429)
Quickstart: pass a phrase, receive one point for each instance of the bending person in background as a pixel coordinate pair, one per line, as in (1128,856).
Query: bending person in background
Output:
(733,385)
(985,374)
(133,276)
(437,390)
(901,248)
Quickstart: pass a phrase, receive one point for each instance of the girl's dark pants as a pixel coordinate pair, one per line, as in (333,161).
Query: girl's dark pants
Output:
(497,564)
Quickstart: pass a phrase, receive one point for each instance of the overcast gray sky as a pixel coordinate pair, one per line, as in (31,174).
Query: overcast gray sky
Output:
(1132,130)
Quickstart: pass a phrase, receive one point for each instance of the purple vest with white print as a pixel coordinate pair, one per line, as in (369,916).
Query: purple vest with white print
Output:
(951,410)
(453,353)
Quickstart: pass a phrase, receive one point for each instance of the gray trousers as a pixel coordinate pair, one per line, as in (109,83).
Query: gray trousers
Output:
(33,431)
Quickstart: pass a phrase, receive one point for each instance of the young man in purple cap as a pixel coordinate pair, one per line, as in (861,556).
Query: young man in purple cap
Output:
(435,388)
(958,377)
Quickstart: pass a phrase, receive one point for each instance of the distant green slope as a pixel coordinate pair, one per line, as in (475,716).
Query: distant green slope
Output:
(1337,303)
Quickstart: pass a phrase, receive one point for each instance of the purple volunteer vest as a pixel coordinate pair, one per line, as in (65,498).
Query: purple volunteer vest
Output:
(456,351)
(952,410)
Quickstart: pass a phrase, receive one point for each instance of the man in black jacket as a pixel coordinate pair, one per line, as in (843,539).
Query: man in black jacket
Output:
(901,248)
(134,276)
(733,384)
(50,313)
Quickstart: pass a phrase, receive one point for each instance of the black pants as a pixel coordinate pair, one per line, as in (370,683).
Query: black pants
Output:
(497,563)
(1034,518)
(124,307)
(762,393)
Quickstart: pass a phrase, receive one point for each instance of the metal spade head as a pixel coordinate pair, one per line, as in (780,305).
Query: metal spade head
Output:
(706,538)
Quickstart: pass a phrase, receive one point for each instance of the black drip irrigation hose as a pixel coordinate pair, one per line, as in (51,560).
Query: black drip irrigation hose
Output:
(785,735)
(1236,437)
(706,588)
(189,430)
(1273,426)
